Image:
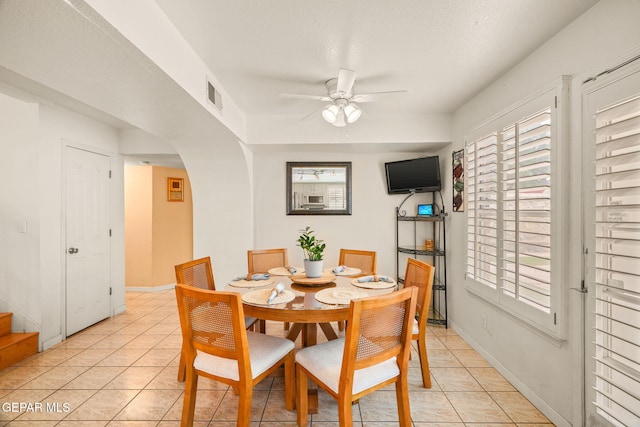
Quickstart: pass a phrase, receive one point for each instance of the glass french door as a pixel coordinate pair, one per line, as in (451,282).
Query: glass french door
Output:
(611,206)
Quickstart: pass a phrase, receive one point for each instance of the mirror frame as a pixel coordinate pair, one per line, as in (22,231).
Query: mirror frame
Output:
(318,165)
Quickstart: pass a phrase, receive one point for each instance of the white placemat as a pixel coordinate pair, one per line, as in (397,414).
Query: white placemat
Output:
(373,285)
(251,283)
(260,296)
(348,271)
(284,271)
(339,296)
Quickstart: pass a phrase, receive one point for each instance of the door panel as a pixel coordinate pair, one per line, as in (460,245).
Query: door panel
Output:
(87,236)
(611,165)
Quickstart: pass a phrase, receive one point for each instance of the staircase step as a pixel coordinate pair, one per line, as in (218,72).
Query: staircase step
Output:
(17,346)
(5,323)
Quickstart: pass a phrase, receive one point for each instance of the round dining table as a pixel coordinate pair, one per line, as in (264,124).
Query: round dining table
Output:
(305,312)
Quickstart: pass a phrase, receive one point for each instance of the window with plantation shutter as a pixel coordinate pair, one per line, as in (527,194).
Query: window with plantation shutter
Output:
(510,163)
(617,236)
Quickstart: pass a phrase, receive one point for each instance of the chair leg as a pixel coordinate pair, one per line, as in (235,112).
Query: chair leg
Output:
(345,415)
(286,326)
(402,398)
(302,399)
(289,381)
(424,362)
(189,402)
(182,367)
(341,325)
(244,404)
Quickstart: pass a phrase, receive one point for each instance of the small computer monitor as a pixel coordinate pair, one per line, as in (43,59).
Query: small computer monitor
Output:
(425,210)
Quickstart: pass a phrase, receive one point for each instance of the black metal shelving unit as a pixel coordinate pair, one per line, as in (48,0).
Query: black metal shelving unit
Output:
(437,256)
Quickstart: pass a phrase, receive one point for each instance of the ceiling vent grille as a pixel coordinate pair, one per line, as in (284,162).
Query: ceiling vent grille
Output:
(214,96)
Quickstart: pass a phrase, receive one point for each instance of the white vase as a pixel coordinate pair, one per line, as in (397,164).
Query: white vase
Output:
(313,268)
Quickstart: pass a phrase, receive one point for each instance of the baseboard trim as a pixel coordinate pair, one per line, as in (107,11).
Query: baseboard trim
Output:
(150,288)
(119,310)
(50,342)
(537,401)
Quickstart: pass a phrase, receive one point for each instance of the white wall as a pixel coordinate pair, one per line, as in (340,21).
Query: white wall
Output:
(221,188)
(541,367)
(32,274)
(19,215)
(371,226)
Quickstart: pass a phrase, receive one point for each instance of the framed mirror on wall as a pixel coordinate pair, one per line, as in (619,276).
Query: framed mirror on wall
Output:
(318,188)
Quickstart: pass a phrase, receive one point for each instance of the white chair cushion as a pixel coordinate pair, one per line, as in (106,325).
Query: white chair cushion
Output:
(264,352)
(416,328)
(324,361)
(248,320)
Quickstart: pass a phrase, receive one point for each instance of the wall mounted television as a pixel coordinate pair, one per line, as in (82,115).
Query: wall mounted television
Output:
(414,175)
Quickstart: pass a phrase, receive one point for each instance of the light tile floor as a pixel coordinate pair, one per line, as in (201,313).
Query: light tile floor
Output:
(122,372)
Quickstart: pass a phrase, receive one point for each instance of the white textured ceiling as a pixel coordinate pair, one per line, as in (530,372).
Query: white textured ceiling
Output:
(441,51)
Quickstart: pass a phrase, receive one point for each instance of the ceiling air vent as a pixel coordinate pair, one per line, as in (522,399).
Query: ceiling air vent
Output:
(214,96)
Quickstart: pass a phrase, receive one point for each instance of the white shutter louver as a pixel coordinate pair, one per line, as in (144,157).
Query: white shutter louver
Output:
(470,191)
(526,210)
(617,234)
(483,209)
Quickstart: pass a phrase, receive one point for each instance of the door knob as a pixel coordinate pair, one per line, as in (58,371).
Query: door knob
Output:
(73,250)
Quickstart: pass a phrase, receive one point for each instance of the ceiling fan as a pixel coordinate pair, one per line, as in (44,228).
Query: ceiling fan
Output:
(343,107)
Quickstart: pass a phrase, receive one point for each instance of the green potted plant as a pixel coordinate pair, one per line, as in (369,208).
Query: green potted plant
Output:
(313,249)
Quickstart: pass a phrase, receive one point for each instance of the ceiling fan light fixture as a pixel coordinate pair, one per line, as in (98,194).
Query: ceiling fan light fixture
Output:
(330,113)
(352,112)
(340,120)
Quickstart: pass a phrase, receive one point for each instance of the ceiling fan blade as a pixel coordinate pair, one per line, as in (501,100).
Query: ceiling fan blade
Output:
(299,96)
(374,96)
(346,79)
(314,113)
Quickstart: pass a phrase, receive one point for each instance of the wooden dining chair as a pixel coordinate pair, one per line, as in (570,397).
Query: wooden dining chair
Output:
(218,346)
(260,261)
(364,260)
(199,273)
(374,353)
(420,275)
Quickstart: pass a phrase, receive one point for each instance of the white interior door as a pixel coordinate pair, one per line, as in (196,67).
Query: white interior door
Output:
(87,236)
(611,147)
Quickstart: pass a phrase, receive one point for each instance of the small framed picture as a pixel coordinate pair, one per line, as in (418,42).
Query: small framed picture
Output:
(175,189)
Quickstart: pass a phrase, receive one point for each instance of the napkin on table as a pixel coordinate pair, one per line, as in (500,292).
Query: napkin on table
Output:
(375,279)
(275,292)
(256,276)
(339,269)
